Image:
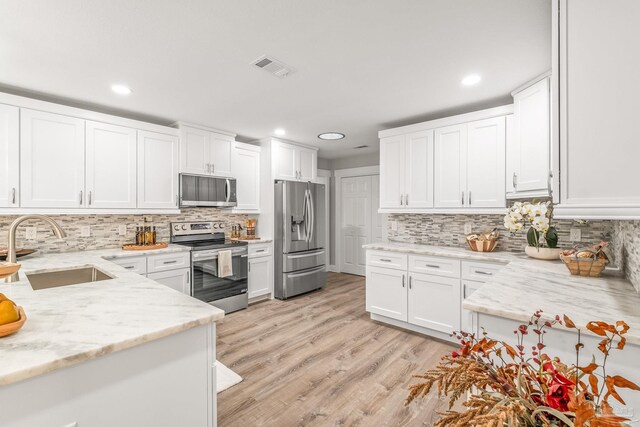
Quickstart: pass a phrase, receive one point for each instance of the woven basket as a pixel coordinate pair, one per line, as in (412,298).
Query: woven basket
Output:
(588,267)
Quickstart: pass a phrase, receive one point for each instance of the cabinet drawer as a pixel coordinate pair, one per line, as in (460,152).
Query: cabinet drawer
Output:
(444,267)
(135,264)
(393,260)
(479,271)
(168,262)
(257,250)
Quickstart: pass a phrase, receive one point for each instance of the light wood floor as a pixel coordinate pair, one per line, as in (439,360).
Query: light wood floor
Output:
(318,360)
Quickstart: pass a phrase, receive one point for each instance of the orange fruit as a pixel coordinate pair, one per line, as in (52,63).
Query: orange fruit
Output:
(8,312)
(3,297)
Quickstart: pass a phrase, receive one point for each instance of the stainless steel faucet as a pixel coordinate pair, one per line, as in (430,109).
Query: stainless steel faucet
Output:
(11,255)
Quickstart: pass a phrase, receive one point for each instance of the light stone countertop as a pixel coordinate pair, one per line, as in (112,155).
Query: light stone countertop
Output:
(255,241)
(72,324)
(526,285)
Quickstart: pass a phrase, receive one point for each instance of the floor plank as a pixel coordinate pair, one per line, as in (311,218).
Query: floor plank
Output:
(319,360)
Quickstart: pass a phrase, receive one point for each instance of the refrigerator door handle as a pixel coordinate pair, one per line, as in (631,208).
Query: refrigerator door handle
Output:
(312,215)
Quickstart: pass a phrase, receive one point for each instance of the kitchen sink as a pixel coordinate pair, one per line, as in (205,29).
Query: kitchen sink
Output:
(72,276)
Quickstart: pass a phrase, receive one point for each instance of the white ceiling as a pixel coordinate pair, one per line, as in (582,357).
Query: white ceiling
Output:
(362,65)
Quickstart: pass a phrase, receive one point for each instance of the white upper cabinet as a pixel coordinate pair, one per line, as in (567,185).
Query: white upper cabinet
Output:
(51,160)
(245,166)
(9,155)
(292,162)
(392,161)
(528,150)
(406,171)
(450,167)
(486,163)
(110,166)
(157,170)
(598,104)
(205,152)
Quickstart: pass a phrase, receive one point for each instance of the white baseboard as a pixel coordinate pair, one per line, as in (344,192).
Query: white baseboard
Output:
(333,269)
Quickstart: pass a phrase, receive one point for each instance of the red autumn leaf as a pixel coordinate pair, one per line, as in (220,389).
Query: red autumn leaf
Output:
(624,383)
(568,322)
(589,368)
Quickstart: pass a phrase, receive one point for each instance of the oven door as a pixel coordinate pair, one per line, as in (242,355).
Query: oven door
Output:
(207,285)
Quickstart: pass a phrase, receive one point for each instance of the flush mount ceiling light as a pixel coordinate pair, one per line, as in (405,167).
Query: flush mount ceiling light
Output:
(279,132)
(471,79)
(331,136)
(121,89)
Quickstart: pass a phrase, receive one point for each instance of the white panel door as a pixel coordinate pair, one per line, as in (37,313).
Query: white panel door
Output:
(285,159)
(418,186)
(378,220)
(532,137)
(386,292)
(195,147)
(245,166)
(434,302)
(486,163)
(450,168)
(9,156)
(157,170)
(51,160)
(175,279)
(308,168)
(392,173)
(260,276)
(110,166)
(221,154)
(356,223)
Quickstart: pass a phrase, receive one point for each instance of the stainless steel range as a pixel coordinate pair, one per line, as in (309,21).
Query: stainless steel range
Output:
(206,240)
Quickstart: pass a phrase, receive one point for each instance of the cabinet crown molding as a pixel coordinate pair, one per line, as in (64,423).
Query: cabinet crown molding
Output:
(203,127)
(285,141)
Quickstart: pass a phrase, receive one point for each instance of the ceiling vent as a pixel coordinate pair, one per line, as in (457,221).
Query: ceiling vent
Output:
(360,146)
(272,65)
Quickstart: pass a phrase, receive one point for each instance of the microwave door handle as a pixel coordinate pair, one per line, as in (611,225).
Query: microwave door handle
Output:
(227,190)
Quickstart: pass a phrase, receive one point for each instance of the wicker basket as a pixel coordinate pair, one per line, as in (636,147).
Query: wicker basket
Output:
(588,267)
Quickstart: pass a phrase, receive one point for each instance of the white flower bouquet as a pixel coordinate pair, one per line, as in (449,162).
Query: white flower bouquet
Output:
(541,233)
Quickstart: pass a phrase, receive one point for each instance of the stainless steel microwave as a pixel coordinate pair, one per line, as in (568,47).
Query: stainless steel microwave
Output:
(197,190)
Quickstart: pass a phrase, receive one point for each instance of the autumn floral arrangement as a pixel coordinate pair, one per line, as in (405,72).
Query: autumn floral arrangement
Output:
(521,385)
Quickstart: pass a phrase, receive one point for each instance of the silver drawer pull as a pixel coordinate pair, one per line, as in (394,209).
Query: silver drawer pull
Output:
(261,250)
(170,262)
(130,267)
(432,266)
(486,273)
(385,260)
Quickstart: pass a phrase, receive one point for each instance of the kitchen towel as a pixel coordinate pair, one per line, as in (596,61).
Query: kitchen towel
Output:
(225,264)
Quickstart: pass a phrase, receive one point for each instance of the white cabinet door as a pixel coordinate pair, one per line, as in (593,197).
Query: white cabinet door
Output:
(221,154)
(110,166)
(386,292)
(392,173)
(308,162)
(194,150)
(285,159)
(157,170)
(468,288)
(245,167)
(9,156)
(260,276)
(434,302)
(486,163)
(51,160)
(418,184)
(450,166)
(532,138)
(175,279)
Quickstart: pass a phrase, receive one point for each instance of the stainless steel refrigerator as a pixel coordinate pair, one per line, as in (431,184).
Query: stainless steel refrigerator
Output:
(299,242)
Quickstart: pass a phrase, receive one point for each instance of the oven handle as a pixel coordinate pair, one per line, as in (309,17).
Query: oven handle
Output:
(205,257)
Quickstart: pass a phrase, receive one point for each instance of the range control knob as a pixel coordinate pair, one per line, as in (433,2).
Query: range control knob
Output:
(184,227)
(176,227)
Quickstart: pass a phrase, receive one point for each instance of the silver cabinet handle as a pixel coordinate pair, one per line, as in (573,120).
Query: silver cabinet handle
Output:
(176,200)
(464,292)
(406,200)
(208,165)
(80,197)
(432,266)
(13,196)
(188,277)
(170,262)
(462,197)
(469,197)
(213,168)
(514,180)
(260,250)
(549,182)
(385,260)
(410,277)
(401,200)
(130,267)
(403,280)
(486,273)
(90,197)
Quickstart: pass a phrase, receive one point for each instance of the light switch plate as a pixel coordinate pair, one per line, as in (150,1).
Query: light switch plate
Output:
(122,230)
(468,228)
(85,231)
(32,233)
(575,235)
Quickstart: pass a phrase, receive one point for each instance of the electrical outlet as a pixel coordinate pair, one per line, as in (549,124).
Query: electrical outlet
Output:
(32,233)
(394,225)
(122,230)
(85,231)
(148,218)
(575,235)
(468,228)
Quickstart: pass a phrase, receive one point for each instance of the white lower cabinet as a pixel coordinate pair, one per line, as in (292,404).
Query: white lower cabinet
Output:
(175,279)
(468,323)
(386,293)
(434,302)
(260,270)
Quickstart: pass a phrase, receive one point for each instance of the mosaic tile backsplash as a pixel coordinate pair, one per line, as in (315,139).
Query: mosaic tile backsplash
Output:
(626,243)
(104,229)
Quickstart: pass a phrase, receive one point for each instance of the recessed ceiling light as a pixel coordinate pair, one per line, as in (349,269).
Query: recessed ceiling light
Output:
(332,136)
(471,79)
(279,132)
(121,89)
